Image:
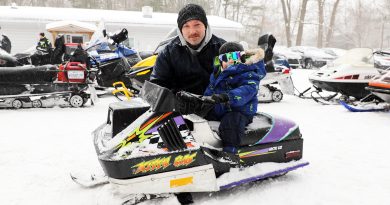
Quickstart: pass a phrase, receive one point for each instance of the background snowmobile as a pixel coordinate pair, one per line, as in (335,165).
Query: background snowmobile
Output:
(378,99)
(346,76)
(5,43)
(113,63)
(37,56)
(280,76)
(6,59)
(147,148)
(44,86)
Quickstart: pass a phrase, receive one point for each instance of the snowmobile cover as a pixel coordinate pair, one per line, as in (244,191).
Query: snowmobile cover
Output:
(28,74)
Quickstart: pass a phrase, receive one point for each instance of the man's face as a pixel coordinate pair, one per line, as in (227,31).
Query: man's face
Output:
(193,32)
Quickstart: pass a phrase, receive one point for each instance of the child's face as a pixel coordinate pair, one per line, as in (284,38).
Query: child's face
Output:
(227,64)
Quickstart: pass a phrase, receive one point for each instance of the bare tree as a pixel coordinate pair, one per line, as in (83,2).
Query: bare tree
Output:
(331,23)
(301,22)
(321,4)
(286,6)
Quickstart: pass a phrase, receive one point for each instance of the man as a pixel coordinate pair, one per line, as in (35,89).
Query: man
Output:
(43,43)
(187,61)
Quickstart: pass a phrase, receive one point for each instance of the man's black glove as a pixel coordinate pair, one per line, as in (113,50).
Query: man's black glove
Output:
(187,103)
(216,98)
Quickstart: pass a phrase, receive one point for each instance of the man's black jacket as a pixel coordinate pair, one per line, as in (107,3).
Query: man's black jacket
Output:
(177,69)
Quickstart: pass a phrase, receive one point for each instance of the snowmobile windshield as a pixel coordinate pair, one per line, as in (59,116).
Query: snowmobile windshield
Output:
(355,56)
(160,99)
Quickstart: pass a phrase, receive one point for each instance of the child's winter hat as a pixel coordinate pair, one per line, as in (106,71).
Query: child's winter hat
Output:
(230,47)
(191,12)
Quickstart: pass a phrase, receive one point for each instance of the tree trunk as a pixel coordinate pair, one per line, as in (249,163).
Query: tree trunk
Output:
(331,23)
(301,23)
(287,18)
(321,4)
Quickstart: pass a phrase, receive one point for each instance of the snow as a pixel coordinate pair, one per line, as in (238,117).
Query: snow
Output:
(348,155)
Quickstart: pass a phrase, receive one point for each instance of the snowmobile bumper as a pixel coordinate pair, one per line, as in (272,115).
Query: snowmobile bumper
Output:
(195,179)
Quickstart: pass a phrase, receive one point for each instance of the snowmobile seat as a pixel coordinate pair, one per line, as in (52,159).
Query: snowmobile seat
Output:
(28,74)
(256,130)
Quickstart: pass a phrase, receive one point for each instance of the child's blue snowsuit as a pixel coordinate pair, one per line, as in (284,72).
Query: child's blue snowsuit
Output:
(241,83)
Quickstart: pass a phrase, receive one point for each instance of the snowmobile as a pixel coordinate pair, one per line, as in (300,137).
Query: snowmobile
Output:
(347,75)
(5,43)
(148,149)
(380,86)
(378,99)
(45,86)
(276,74)
(38,56)
(114,63)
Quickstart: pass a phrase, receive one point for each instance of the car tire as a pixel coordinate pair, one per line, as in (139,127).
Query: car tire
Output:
(308,63)
(37,103)
(17,104)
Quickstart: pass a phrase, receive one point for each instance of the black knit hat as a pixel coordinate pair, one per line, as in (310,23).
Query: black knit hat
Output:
(230,47)
(191,12)
(42,34)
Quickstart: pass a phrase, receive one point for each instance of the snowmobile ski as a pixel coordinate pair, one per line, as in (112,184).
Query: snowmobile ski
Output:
(366,108)
(139,198)
(90,182)
(265,173)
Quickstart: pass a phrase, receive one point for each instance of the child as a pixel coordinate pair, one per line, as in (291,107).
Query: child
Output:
(233,88)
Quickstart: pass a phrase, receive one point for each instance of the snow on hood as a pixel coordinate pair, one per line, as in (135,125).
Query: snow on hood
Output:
(286,52)
(355,56)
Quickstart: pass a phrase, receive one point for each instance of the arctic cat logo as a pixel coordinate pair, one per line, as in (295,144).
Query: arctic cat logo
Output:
(164,162)
(152,165)
(368,77)
(184,160)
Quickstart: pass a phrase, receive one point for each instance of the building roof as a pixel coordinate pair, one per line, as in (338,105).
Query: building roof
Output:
(49,14)
(71,26)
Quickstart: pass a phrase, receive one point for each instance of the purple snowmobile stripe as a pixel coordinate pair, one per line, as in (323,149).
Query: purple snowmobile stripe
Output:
(280,129)
(263,176)
(178,120)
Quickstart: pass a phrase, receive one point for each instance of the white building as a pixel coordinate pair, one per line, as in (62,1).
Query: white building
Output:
(146,29)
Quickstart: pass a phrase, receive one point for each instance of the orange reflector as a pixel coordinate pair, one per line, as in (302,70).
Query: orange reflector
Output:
(181,182)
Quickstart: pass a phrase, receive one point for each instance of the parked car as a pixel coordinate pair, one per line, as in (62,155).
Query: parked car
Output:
(336,52)
(312,56)
(382,59)
(294,59)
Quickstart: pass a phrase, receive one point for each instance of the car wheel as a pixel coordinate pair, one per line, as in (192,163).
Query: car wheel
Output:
(277,96)
(308,64)
(17,104)
(37,103)
(76,101)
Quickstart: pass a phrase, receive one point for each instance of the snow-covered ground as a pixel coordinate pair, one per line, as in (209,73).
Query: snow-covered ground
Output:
(348,155)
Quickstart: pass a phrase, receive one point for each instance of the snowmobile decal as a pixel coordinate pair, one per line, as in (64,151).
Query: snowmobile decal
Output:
(152,165)
(268,150)
(164,162)
(184,160)
(139,134)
